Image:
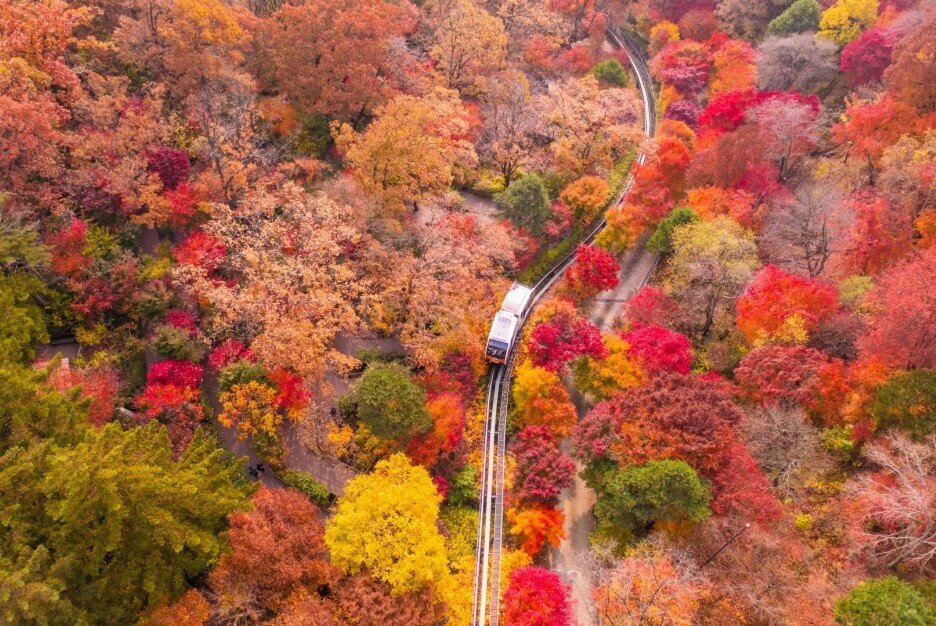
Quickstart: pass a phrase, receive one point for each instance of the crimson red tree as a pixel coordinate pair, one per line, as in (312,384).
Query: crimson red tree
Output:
(566,336)
(660,349)
(536,597)
(865,59)
(593,271)
(175,372)
(651,306)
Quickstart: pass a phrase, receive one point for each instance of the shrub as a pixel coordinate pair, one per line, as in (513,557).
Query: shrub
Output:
(390,403)
(526,204)
(307,484)
(908,401)
(661,242)
(176,343)
(801,16)
(660,491)
(611,72)
(242,372)
(884,602)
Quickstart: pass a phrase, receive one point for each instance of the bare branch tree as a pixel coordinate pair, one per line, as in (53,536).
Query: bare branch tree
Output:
(898,504)
(785,445)
(801,233)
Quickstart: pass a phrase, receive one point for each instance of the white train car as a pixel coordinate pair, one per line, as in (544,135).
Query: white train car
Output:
(507,322)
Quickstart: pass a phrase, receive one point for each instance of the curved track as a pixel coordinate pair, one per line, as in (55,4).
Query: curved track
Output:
(487,580)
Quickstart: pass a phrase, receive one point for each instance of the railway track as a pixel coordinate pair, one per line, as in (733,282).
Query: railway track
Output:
(487,579)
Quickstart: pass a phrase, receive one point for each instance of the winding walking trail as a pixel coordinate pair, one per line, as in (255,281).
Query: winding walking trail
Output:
(577,502)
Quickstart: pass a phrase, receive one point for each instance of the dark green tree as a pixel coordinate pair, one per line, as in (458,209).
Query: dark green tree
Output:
(661,242)
(611,72)
(638,496)
(884,602)
(390,403)
(526,204)
(123,524)
(240,373)
(907,400)
(801,16)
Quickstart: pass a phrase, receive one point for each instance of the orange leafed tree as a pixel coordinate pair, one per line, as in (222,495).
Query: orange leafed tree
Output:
(448,418)
(331,57)
(733,68)
(585,197)
(652,588)
(782,307)
(542,399)
(275,549)
(710,202)
(868,128)
(535,526)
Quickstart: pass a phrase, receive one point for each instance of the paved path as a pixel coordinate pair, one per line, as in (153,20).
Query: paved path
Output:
(636,266)
(483,208)
(577,502)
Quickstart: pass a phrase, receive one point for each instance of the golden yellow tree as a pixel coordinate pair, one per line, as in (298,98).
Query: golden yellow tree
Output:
(251,409)
(541,399)
(843,21)
(602,378)
(386,523)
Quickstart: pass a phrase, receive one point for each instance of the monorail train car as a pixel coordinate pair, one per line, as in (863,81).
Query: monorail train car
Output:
(507,323)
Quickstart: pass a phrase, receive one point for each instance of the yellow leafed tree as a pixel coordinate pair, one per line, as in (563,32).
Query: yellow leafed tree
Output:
(468,43)
(843,21)
(604,377)
(250,408)
(386,523)
(541,399)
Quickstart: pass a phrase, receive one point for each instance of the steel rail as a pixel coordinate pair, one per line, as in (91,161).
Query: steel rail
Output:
(491,501)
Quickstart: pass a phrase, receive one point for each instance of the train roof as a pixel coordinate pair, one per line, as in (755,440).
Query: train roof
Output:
(502,329)
(517,298)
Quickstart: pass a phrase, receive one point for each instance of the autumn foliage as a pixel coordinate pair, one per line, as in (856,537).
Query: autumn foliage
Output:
(782,307)
(565,336)
(542,470)
(659,349)
(593,271)
(536,597)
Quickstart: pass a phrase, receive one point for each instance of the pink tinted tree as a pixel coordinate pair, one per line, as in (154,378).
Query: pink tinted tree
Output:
(781,374)
(542,470)
(902,319)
